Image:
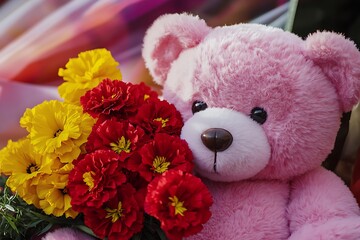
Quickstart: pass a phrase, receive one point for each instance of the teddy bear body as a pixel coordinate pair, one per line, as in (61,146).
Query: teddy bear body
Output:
(245,210)
(261,109)
(258,209)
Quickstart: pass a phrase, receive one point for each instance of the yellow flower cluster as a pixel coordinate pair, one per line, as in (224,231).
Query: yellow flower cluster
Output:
(38,165)
(30,173)
(86,72)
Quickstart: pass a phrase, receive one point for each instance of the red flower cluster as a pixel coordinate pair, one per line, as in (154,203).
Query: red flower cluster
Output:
(134,152)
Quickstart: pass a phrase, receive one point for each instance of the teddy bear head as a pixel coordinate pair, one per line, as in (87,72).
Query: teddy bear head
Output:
(258,102)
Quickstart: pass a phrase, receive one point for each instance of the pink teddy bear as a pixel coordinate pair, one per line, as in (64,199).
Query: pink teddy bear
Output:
(261,108)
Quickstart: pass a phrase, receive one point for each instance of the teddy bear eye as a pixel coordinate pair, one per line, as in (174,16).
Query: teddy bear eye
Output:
(259,115)
(198,106)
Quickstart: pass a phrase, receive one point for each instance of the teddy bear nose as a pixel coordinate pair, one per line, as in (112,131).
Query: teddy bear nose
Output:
(216,139)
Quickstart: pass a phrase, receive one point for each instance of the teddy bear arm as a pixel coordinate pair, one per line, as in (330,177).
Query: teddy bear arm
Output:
(322,207)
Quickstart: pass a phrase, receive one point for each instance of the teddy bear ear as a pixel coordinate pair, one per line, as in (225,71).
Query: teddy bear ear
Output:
(339,59)
(168,36)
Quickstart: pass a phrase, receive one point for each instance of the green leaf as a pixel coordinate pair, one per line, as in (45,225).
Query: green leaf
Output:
(10,208)
(11,223)
(86,230)
(161,234)
(46,229)
(35,223)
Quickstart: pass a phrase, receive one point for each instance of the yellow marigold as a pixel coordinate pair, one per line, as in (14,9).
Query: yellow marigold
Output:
(53,196)
(23,166)
(19,161)
(57,129)
(86,72)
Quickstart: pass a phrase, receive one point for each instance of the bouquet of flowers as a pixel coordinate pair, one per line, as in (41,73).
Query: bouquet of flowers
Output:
(108,160)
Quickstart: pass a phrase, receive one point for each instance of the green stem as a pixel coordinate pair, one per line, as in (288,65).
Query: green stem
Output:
(291,15)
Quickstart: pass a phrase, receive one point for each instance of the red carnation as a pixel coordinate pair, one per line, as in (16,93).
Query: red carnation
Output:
(118,219)
(116,98)
(180,201)
(163,153)
(120,137)
(159,117)
(95,179)
(108,97)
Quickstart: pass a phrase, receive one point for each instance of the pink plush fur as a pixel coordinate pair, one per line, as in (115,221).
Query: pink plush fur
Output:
(308,205)
(66,234)
(188,34)
(340,61)
(268,184)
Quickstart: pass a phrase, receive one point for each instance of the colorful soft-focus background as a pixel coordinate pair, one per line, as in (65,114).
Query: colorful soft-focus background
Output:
(38,37)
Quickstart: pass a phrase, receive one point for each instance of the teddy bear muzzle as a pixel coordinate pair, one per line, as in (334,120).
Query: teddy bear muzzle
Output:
(227,145)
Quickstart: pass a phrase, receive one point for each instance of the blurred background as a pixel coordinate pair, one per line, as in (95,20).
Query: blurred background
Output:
(38,37)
